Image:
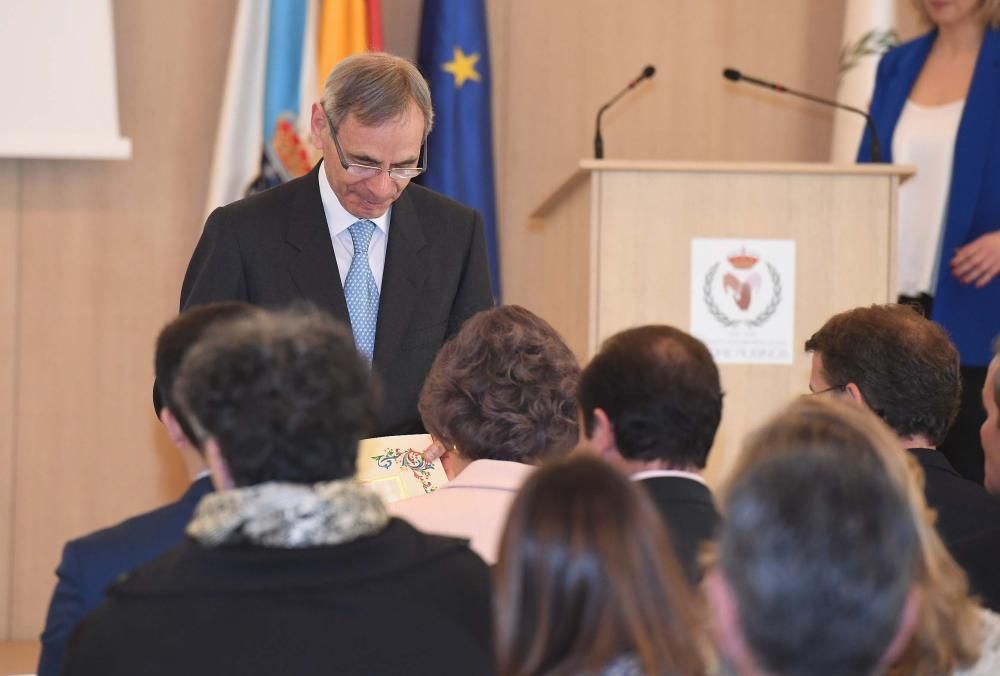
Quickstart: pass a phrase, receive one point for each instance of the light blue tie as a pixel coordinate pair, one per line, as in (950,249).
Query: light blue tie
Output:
(361,291)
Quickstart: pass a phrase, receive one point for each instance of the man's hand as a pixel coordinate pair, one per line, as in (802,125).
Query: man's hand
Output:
(978,262)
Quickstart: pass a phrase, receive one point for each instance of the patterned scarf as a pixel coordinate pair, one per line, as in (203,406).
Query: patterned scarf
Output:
(289,515)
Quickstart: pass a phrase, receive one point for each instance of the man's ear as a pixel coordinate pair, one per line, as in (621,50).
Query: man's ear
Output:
(221,478)
(907,627)
(174,430)
(602,434)
(854,392)
(318,126)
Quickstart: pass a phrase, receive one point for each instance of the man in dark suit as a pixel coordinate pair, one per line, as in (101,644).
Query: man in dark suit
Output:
(91,563)
(903,367)
(425,271)
(650,403)
(292,566)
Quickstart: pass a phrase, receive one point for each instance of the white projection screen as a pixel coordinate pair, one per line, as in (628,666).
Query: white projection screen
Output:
(58,92)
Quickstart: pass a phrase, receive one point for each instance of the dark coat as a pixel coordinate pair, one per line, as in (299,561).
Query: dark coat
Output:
(964,508)
(274,248)
(90,564)
(399,602)
(689,511)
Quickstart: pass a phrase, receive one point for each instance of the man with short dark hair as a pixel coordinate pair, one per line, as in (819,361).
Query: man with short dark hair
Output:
(91,563)
(401,265)
(650,403)
(904,368)
(815,572)
(292,566)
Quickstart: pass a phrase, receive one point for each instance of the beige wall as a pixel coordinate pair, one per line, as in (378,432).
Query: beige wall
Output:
(92,253)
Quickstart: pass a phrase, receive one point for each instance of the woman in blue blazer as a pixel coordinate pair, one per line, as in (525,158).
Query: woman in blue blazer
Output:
(959,59)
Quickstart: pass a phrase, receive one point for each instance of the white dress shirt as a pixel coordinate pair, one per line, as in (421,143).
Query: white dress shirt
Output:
(925,138)
(338,219)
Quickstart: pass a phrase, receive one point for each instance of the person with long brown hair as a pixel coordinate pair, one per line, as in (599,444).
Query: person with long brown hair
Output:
(587,582)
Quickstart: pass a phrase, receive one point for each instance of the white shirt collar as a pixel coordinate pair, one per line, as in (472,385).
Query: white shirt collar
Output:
(656,473)
(339,219)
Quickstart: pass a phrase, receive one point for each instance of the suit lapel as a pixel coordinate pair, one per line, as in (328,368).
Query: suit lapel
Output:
(402,279)
(901,83)
(314,270)
(971,146)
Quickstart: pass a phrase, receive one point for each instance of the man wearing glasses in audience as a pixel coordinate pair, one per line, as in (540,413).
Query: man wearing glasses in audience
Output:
(422,266)
(905,369)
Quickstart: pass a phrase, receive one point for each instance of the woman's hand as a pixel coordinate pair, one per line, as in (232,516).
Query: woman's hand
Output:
(978,262)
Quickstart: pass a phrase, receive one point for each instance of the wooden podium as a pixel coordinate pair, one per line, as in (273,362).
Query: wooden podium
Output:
(615,242)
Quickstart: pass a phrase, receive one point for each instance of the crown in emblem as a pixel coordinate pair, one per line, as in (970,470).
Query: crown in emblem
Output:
(743,260)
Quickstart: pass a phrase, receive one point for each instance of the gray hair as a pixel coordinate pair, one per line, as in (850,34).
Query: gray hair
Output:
(376,87)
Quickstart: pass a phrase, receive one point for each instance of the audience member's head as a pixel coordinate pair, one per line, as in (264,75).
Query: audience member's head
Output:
(651,398)
(828,560)
(989,433)
(586,579)
(896,362)
(173,343)
(277,397)
(503,388)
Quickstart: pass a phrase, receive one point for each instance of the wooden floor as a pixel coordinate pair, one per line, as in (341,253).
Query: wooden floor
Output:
(18,657)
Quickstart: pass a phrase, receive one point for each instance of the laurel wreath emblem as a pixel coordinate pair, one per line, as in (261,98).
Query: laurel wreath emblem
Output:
(727,321)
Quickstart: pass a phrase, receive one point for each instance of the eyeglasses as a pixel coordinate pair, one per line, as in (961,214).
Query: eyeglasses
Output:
(367,171)
(834,388)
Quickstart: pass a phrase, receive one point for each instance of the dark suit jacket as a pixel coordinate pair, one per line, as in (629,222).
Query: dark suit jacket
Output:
(400,602)
(90,564)
(964,508)
(689,511)
(969,314)
(274,248)
(980,556)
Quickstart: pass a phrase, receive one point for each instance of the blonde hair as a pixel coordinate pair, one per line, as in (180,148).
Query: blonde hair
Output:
(947,634)
(989,12)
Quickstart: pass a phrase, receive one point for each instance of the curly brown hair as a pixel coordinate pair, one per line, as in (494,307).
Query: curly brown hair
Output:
(503,388)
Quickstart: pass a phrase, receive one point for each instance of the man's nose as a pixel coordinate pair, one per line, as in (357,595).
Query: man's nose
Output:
(382,185)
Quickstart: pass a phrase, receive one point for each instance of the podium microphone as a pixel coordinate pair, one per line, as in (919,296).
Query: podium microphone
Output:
(737,76)
(646,73)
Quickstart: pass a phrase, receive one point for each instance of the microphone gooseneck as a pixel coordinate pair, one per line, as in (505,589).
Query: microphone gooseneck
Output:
(646,73)
(737,76)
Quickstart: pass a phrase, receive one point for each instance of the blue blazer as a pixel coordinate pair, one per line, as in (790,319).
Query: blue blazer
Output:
(971,315)
(91,563)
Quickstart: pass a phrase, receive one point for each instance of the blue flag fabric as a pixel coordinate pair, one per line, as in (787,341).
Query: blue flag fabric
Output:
(454,57)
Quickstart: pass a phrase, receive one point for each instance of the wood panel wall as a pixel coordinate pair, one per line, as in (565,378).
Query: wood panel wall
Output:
(90,268)
(92,253)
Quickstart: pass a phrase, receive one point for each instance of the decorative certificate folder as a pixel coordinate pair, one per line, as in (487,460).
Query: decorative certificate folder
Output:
(395,466)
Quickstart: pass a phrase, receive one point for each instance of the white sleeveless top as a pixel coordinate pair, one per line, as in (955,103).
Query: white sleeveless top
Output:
(925,138)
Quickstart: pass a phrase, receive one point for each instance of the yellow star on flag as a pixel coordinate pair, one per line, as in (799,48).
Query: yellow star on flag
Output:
(463,67)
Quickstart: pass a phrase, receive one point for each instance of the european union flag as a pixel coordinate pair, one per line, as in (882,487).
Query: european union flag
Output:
(455,59)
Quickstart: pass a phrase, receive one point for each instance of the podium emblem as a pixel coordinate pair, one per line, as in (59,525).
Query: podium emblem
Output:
(743,299)
(741,290)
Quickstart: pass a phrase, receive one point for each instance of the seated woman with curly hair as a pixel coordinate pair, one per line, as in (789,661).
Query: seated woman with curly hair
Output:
(500,398)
